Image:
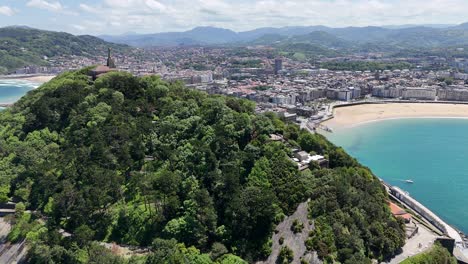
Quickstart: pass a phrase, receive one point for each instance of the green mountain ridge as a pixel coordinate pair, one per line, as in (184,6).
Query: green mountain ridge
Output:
(21,46)
(317,38)
(407,36)
(193,177)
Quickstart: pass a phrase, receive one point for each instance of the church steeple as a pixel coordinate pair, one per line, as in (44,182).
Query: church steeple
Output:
(110,61)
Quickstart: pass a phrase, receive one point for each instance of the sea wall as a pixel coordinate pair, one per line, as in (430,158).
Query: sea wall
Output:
(427,214)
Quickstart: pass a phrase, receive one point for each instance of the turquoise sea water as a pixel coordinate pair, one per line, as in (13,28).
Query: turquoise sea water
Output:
(432,152)
(12,90)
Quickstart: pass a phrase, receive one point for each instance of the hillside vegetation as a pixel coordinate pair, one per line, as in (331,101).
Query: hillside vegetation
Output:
(364,66)
(25,46)
(193,177)
(436,255)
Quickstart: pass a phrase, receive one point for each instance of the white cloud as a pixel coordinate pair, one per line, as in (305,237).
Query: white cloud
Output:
(43,4)
(155,5)
(118,16)
(140,5)
(6,11)
(79,27)
(89,9)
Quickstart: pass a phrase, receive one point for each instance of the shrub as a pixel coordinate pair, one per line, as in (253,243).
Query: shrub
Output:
(286,255)
(218,250)
(297,226)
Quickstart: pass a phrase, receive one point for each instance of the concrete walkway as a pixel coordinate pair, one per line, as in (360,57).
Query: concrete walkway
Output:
(424,237)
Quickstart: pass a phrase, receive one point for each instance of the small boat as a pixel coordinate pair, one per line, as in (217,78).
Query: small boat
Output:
(409,181)
(325,128)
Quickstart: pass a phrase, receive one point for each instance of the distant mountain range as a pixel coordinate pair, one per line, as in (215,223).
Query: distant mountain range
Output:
(21,46)
(416,25)
(196,36)
(406,35)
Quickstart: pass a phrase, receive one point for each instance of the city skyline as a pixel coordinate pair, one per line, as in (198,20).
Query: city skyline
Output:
(151,16)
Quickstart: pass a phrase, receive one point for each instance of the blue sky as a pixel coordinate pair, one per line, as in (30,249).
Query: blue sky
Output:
(149,16)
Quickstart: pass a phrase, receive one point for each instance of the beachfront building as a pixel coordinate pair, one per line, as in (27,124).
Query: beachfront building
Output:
(344,95)
(453,94)
(310,94)
(332,94)
(395,92)
(378,91)
(355,92)
(407,93)
(419,93)
(289,117)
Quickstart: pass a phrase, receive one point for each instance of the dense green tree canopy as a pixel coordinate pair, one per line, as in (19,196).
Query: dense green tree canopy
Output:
(365,66)
(194,177)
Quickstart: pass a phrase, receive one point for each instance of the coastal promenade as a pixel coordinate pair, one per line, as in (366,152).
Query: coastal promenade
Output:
(460,249)
(427,214)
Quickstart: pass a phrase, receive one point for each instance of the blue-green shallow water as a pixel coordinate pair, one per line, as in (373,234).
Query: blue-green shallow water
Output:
(12,90)
(432,152)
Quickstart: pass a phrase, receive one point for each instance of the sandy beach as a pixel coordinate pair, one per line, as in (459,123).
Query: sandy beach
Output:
(355,115)
(38,79)
(31,78)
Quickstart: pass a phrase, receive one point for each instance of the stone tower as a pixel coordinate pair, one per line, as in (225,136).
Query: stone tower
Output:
(110,61)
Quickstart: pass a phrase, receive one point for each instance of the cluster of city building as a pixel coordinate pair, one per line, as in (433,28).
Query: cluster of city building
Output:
(300,92)
(279,83)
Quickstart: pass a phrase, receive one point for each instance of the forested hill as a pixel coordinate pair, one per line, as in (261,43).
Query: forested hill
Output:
(193,177)
(21,46)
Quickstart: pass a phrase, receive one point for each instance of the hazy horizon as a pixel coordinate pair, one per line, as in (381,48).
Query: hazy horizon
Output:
(115,17)
(401,26)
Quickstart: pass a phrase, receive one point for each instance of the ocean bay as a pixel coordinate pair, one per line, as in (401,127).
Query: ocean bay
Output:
(433,152)
(13,90)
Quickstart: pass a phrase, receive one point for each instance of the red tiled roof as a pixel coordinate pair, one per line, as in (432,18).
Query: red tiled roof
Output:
(398,211)
(102,68)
